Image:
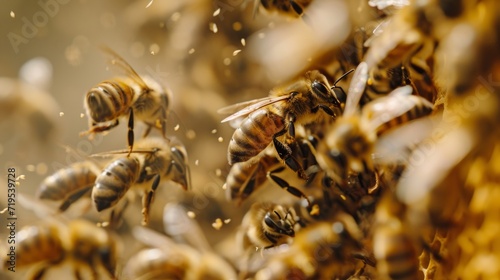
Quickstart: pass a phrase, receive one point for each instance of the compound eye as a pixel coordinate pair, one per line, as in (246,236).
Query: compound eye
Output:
(340,94)
(323,92)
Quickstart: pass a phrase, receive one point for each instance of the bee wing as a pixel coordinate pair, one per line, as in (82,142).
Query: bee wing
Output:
(385,108)
(434,164)
(120,63)
(120,152)
(356,89)
(152,238)
(397,145)
(250,106)
(183,229)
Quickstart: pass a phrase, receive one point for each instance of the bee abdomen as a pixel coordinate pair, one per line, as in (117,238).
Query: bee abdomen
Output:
(114,182)
(38,243)
(65,181)
(254,135)
(420,107)
(108,100)
(400,261)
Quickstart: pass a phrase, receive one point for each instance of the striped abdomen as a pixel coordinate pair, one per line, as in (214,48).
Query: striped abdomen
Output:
(418,107)
(244,178)
(397,257)
(112,184)
(66,181)
(109,100)
(254,135)
(38,243)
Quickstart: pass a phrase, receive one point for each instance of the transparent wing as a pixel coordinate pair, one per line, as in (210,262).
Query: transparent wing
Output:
(118,62)
(112,154)
(396,146)
(152,238)
(183,229)
(250,107)
(384,109)
(356,89)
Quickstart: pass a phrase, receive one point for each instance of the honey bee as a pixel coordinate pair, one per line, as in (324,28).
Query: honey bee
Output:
(69,184)
(268,225)
(138,97)
(297,102)
(324,250)
(294,8)
(55,241)
(246,177)
(349,143)
(395,248)
(179,259)
(81,243)
(155,160)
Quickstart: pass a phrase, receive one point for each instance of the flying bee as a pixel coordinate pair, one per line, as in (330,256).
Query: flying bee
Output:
(155,160)
(324,250)
(69,184)
(350,142)
(267,225)
(138,97)
(294,8)
(56,241)
(297,102)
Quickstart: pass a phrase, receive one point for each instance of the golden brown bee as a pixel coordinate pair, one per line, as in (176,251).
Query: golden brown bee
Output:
(267,225)
(155,159)
(188,257)
(79,242)
(324,250)
(294,8)
(297,102)
(246,177)
(133,96)
(395,246)
(350,142)
(69,184)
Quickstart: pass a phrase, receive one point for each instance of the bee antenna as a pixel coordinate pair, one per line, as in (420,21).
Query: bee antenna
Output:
(343,76)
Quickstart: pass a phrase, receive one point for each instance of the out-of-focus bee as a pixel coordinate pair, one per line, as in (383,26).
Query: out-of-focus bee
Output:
(138,97)
(324,250)
(55,241)
(171,259)
(294,8)
(297,102)
(267,225)
(350,142)
(395,246)
(154,160)
(69,184)
(80,242)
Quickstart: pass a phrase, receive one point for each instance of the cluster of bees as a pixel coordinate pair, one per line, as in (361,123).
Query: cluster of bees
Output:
(388,153)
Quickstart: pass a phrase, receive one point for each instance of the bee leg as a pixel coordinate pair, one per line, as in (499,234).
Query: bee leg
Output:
(100,128)
(147,131)
(116,215)
(74,197)
(284,185)
(78,275)
(147,199)
(130,134)
(285,154)
(327,110)
(38,275)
